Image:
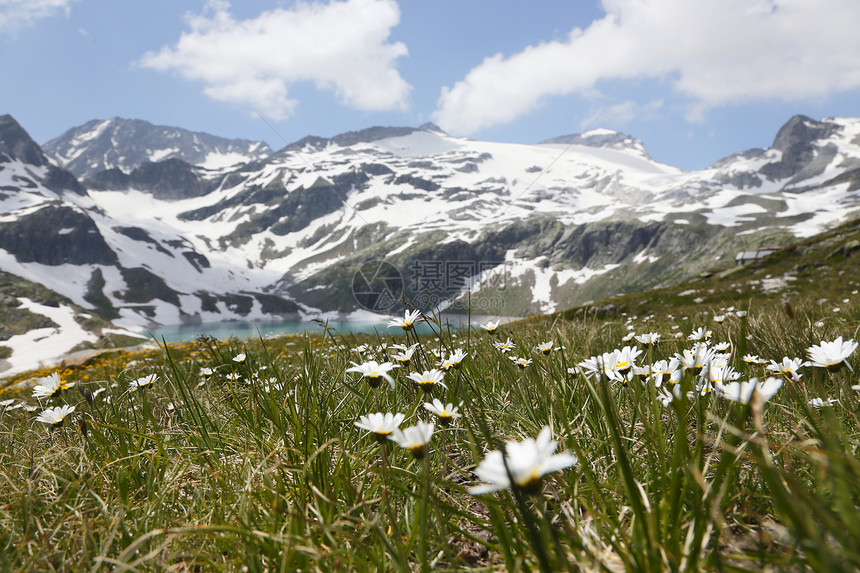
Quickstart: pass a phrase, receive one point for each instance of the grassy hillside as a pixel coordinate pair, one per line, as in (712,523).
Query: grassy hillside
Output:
(245,455)
(823,270)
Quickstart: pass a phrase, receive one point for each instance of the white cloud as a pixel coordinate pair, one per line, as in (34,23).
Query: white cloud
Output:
(340,46)
(18,14)
(624,112)
(712,52)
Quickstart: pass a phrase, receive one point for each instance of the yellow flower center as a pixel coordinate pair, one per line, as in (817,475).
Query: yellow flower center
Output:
(531,484)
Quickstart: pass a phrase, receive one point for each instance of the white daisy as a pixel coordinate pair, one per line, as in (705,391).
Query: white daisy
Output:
(142,382)
(454,360)
(527,462)
(55,416)
(428,379)
(405,355)
(446,413)
(699,334)
(831,354)
(408,320)
(743,391)
(415,438)
(696,358)
(788,367)
(521,362)
(374,372)
(819,403)
(544,348)
(380,425)
(505,346)
(50,386)
(626,358)
(650,339)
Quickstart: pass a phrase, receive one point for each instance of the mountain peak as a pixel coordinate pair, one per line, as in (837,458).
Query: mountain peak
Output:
(366,135)
(430,126)
(600,137)
(796,140)
(16,143)
(800,131)
(103,144)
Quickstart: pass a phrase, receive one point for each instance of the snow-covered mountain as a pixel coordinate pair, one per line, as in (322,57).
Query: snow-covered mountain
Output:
(126,144)
(601,138)
(54,233)
(368,217)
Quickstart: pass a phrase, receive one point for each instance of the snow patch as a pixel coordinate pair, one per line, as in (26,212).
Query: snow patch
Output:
(45,345)
(734,215)
(828,207)
(641,257)
(598,132)
(216,160)
(419,144)
(159,154)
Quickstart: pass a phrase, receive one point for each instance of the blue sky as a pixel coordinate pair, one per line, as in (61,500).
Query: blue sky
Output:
(694,81)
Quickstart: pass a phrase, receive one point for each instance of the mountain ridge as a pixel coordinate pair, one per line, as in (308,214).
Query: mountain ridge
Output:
(516,229)
(600,138)
(94,146)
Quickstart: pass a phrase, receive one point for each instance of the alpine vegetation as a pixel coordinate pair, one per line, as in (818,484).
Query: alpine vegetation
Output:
(666,441)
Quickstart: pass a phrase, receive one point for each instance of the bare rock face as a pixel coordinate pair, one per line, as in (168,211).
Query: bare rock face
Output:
(56,235)
(17,145)
(171,179)
(796,140)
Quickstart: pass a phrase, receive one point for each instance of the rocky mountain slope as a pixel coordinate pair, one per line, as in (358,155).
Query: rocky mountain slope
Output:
(126,144)
(366,218)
